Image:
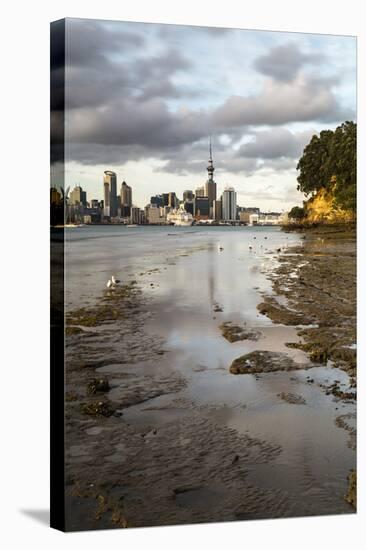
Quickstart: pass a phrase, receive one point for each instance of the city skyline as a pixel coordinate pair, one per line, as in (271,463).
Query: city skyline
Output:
(148,116)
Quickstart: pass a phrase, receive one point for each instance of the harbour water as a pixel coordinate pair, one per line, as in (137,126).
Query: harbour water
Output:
(195,279)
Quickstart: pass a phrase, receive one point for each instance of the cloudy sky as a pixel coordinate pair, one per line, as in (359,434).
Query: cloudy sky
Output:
(143,99)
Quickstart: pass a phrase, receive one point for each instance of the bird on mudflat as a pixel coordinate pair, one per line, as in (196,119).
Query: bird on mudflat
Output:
(109,283)
(115,281)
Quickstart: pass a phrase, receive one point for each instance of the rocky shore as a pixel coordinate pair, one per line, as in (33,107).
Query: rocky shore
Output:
(317,286)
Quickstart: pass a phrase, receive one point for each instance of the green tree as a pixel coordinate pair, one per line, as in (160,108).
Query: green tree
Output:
(314,164)
(296,213)
(329,161)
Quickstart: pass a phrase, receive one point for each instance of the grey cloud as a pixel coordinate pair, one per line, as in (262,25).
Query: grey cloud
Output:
(281,102)
(276,143)
(89,42)
(117,108)
(284,62)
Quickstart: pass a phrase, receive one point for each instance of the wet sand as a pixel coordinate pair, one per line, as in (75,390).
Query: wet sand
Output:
(177,438)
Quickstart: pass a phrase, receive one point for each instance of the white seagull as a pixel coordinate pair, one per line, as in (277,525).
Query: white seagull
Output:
(109,283)
(115,281)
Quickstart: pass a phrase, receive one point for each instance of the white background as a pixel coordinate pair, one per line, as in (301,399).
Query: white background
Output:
(24,309)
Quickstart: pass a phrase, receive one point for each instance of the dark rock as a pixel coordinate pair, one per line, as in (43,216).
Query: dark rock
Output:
(97,385)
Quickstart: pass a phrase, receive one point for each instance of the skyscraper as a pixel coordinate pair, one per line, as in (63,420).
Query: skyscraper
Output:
(229,204)
(172,200)
(106,209)
(200,192)
(126,194)
(187,195)
(210,185)
(77,196)
(110,194)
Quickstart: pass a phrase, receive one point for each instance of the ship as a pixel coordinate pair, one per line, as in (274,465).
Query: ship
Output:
(179,217)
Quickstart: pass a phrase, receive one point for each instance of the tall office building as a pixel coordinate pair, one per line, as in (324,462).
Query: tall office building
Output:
(210,185)
(126,194)
(201,208)
(200,192)
(165,199)
(172,200)
(217,210)
(77,196)
(110,194)
(157,199)
(187,195)
(229,204)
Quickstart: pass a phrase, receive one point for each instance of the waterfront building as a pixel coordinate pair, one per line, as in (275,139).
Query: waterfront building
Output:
(229,204)
(188,206)
(172,200)
(188,195)
(165,211)
(244,216)
(253,219)
(217,210)
(55,196)
(126,195)
(157,200)
(136,214)
(110,193)
(200,192)
(106,208)
(153,214)
(201,208)
(77,196)
(210,185)
(165,199)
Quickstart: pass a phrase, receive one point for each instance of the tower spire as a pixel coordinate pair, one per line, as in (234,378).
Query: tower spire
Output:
(210,167)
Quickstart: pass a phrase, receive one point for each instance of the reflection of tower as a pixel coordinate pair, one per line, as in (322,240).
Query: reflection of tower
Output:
(210,185)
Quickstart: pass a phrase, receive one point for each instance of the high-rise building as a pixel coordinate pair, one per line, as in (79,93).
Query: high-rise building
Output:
(210,185)
(77,196)
(172,200)
(217,210)
(229,204)
(188,206)
(153,214)
(110,193)
(135,214)
(126,195)
(157,199)
(201,208)
(165,199)
(200,192)
(188,195)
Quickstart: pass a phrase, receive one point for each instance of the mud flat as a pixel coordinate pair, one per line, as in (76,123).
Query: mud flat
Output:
(317,284)
(158,430)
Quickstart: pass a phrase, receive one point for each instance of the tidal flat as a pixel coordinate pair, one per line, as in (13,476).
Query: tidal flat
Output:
(159,429)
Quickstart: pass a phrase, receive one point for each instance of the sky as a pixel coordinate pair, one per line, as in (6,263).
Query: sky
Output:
(143,99)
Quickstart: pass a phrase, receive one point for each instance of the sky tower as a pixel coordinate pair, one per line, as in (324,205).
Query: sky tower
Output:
(210,185)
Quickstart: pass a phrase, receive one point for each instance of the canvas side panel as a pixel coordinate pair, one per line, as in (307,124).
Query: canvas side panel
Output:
(57,210)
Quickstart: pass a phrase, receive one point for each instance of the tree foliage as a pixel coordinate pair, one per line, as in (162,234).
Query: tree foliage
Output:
(296,213)
(329,161)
